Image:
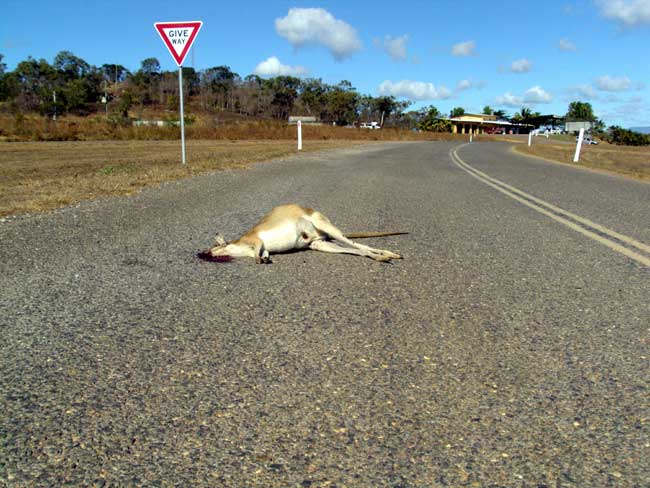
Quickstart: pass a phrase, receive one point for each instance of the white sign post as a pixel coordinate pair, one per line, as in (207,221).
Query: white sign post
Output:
(581,136)
(299,124)
(178,37)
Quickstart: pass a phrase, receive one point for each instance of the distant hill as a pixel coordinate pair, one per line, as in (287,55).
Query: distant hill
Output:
(642,130)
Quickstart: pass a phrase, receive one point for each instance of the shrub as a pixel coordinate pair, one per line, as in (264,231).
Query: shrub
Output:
(624,137)
(434,124)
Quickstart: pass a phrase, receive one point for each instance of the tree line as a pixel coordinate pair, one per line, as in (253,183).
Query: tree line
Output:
(70,85)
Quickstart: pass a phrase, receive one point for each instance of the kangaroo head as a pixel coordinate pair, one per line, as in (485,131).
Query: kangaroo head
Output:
(217,253)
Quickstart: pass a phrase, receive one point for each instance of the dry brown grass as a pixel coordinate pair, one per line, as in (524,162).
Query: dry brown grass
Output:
(623,160)
(90,157)
(46,175)
(36,128)
(102,159)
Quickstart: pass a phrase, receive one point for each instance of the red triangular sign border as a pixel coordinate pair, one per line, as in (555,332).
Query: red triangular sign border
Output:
(195,25)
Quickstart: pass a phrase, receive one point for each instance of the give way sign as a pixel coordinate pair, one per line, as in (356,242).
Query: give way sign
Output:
(178,37)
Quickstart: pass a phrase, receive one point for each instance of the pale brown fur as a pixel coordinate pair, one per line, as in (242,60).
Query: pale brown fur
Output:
(290,227)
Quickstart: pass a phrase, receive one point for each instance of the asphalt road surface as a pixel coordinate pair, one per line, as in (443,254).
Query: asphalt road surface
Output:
(508,348)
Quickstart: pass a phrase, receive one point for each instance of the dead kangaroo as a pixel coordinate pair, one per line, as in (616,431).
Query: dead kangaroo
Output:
(292,227)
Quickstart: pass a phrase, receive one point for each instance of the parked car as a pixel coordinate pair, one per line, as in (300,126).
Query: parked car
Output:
(370,125)
(587,140)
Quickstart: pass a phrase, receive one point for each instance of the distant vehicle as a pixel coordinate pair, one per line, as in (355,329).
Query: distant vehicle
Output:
(370,125)
(495,130)
(587,140)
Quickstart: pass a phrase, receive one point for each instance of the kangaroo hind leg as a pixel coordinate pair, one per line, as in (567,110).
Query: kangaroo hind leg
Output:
(324,226)
(335,247)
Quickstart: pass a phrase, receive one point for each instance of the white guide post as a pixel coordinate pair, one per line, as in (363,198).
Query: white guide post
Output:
(581,136)
(530,138)
(299,124)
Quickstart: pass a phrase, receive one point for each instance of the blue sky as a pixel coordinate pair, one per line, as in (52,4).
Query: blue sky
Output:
(541,55)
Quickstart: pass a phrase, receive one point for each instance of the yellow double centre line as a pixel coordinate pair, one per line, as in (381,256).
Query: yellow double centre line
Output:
(579,224)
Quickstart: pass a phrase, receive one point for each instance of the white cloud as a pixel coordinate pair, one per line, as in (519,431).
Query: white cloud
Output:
(627,12)
(463,85)
(273,67)
(628,112)
(395,47)
(463,48)
(533,95)
(308,26)
(509,100)
(521,66)
(613,99)
(467,84)
(587,92)
(613,83)
(414,90)
(537,94)
(566,45)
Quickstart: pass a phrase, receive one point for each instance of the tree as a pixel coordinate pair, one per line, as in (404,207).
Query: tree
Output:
(431,111)
(78,84)
(191,81)
(145,83)
(457,112)
(487,110)
(598,127)
(253,95)
(69,66)
(150,67)
(522,116)
(33,83)
(115,73)
(345,85)
(342,103)
(526,113)
(433,122)
(220,82)
(384,106)
(10,89)
(313,96)
(125,103)
(285,89)
(500,114)
(8,82)
(79,95)
(580,111)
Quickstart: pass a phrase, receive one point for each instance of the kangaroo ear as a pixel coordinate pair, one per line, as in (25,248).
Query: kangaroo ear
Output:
(219,241)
